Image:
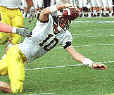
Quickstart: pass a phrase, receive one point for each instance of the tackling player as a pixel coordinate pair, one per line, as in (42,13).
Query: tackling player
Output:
(11,15)
(51,29)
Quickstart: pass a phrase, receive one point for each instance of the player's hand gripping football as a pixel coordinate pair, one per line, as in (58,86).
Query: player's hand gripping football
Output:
(23,32)
(99,66)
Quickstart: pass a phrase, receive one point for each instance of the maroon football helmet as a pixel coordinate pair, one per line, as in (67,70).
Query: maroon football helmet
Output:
(70,13)
(65,17)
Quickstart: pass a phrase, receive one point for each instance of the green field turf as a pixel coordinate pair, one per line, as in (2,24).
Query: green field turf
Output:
(94,38)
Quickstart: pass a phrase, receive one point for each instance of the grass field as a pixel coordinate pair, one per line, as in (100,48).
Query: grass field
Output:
(94,38)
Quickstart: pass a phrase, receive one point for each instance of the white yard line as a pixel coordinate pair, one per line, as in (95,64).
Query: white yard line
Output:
(88,45)
(64,66)
(40,94)
(93,21)
(91,36)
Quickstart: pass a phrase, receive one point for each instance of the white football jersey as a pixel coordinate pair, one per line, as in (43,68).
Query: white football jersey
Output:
(43,40)
(38,3)
(11,3)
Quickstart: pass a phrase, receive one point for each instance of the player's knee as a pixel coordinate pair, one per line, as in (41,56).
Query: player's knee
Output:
(15,39)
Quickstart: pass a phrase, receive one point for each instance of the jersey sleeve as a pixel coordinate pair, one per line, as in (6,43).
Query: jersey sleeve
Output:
(65,39)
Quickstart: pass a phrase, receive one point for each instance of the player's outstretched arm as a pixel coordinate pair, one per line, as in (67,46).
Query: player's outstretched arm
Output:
(45,12)
(86,61)
(8,29)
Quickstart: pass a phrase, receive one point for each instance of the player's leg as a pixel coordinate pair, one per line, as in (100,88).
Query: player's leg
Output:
(3,37)
(4,19)
(81,7)
(24,5)
(89,8)
(16,69)
(3,66)
(17,21)
(99,6)
(110,7)
(93,3)
(4,71)
(15,60)
(85,8)
(105,5)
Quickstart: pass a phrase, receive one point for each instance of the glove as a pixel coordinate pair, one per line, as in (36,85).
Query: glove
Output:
(22,31)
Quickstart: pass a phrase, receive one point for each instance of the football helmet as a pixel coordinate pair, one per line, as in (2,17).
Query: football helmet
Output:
(70,13)
(65,16)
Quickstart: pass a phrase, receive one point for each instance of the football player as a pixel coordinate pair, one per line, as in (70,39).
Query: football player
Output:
(83,7)
(38,5)
(99,7)
(51,29)
(107,4)
(110,6)
(24,6)
(11,15)
(93,8)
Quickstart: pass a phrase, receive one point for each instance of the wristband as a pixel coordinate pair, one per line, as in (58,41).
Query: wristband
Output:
(14,30)
(88,62)
(53,8)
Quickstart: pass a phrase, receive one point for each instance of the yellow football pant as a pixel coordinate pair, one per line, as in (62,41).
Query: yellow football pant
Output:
(13,65)
(12,17)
